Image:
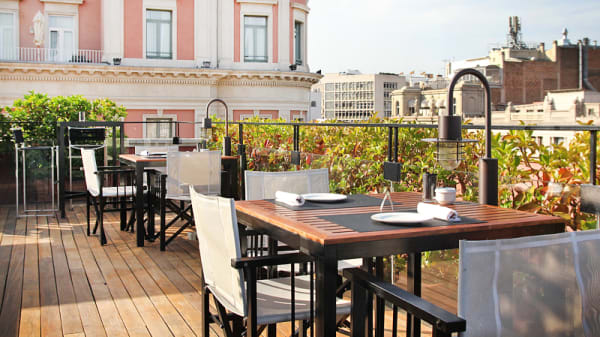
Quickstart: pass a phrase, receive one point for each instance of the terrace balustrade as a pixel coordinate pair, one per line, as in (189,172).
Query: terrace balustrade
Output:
(51,55)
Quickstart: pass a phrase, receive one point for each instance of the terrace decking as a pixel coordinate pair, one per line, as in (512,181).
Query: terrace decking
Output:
(57,281)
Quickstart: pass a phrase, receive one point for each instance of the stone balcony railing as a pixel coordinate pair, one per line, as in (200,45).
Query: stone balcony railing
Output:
(51,55)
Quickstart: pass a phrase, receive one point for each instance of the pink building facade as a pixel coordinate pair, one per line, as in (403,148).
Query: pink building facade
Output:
(161,59)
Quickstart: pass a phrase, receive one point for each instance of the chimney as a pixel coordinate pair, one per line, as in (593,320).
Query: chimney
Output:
(542,48)
(584,83)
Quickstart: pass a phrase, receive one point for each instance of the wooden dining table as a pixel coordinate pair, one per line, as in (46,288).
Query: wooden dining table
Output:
(333,233)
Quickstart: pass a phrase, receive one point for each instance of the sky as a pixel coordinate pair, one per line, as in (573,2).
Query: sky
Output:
(421,35)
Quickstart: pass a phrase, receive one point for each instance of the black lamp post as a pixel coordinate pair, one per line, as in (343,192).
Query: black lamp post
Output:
(450,142)
(226,138)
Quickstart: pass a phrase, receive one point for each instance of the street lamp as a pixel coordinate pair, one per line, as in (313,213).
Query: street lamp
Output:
(450,143)
(226,138)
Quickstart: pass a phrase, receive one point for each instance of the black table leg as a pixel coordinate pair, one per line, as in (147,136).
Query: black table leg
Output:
(379,302)
(413,270)
(325,285)
(139,204)
(368,266)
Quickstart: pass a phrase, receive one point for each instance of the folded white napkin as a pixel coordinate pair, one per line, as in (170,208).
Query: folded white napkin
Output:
(291,199)
(438,212)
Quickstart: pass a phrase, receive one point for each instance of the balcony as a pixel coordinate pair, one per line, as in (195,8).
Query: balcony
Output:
(51,55)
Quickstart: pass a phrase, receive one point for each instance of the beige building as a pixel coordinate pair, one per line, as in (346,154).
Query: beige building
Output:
(353,96)
(162,60)
(425,104)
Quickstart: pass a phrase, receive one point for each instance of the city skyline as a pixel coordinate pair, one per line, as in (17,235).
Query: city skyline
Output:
(353,34)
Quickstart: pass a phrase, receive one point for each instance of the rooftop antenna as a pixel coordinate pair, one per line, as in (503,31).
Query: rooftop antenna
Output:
(514,37)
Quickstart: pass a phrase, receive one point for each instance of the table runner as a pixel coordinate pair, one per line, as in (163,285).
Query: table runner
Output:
(363,223)
(354,200)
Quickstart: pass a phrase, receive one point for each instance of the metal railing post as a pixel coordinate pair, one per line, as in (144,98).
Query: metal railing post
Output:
(296,152)
(593,142)
(243,164)
(390,136)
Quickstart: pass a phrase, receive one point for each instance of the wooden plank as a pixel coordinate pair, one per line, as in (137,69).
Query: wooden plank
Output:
(11,304)
(51,324)
(8,228)
(30,324)
(99,315)
(148,287)
(131,319)
(68,304)
(3,220)
(184,302)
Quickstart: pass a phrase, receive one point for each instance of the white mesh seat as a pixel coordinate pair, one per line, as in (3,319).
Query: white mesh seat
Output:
(218,239)
(121,191)
(199,169)
(263,185)
(202,170)
(533,286)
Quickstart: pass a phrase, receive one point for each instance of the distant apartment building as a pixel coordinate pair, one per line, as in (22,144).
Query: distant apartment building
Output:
(522,74)
(161,59)
(517,74)
(354,96)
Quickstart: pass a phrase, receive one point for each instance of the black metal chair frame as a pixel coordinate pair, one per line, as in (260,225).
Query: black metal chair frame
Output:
(157,191)
(255,268)
(118,202)
(363,284)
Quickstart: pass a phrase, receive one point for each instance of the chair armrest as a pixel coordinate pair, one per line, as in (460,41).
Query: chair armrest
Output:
(439,318)
(109,167)
(270,260)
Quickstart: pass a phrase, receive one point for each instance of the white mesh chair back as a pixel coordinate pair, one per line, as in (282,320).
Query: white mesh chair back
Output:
(154,149)
(199,169)
(263,185)
(218,238)
(92,180)
(531,286)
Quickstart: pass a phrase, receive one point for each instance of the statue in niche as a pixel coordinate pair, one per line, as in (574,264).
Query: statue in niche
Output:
(38,29)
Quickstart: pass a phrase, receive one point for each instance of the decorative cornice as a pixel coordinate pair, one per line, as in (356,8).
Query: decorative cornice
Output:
(70,2)
(300,6)
(264,2)
(146,75)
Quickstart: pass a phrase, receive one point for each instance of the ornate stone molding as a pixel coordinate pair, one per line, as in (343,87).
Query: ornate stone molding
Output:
(70,2)
(144,75)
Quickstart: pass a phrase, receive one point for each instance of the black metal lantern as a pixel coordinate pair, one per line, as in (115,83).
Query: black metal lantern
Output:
(450,143)
(207,125)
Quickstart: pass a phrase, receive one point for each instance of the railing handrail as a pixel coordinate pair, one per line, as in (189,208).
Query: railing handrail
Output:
(369,125)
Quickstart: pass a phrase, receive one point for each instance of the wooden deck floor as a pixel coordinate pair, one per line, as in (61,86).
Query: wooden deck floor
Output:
(57,281)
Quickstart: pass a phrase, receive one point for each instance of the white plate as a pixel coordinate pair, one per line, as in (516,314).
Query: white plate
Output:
(324,197)
(401,217)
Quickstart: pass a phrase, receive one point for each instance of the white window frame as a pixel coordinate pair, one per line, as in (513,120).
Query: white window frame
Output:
(266,21)
(302,38)
(62,9)
(161,5)
(255,9)
(171,47)
(60,42)
(158,114)
(300,15)
(12,8)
